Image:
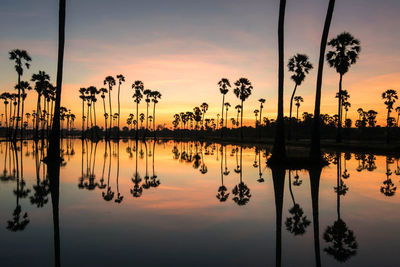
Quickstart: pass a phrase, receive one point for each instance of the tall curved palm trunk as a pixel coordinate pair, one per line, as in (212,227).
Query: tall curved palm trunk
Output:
(119,106)
(279,151)
(55,133)
(315,152)
(110,115)
(154,117)
(19,100)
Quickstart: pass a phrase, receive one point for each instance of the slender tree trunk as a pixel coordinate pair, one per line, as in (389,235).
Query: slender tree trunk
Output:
(5,113)
(119,108)
(137,120)
(19,100)
(109,101)
(94,113)
(22,117)
(290,113)
(241,123)
(105,119)
(339,126)
(83,118)
(147,116)
(279,151)
(226,118)
(315,152)
(154,117)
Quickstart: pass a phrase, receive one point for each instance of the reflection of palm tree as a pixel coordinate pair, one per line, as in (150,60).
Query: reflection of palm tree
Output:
(137,188)
(119,198)
(154,182)
(109,195)
(241,191)
(388,188)
(344,244)
(41,189)
(203,167)
(222,195)
(298,223)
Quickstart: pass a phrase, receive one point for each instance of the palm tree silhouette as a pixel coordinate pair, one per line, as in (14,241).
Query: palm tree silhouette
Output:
(398,115)
(42,84)
(5,96)
(204,108)
(279,151)
(121,79)
(103,92)
(345,52)
(82,96)
(138,88)
(242,91)
(224,86)
(155,96)
(22,87)
(227,106)
(110,81)
(147,93)
(390,97)
(238,109)
(298,100)
(262,101)
(300,66)
(315,151)
(256,111)
(21,59)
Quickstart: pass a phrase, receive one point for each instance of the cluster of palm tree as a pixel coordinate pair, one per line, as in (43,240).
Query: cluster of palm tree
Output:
(112,121)
(16,119)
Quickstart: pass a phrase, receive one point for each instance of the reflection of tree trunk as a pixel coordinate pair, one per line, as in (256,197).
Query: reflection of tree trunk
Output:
(290,112)
(315,175)
(278,177)
(290,187)
(118,169)
(241,164)
(338,182)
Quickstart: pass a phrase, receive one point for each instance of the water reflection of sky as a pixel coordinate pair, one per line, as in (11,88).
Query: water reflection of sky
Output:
(181,221)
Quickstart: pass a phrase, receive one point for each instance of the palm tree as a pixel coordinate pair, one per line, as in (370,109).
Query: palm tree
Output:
(147,93)
(111,82)
(22,87)
(103,92)
(298,100)
(345,53)
(5,96)
(42,84)
(21,59)
(262,101)
(315,151)
(300,66)
(256,111)
(54,146)
(82,96)
(390,97)
(279,152)
(138,88)
(238,109)
(227,106)
(93,92)
(155,96)
(121,79)
(204,108)
(224,86)
(242,91)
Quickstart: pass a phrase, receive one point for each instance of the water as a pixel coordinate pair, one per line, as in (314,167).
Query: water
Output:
(177,212)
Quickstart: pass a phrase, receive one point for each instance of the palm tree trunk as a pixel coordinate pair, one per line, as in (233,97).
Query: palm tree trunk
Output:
(109,101)
(94,113)
(137,120)
(290,112)
(147,116)
(339,126)
(226,118)
(22,117)
(83,117)
(37,116)
(279,152)
(119,109)
(105,119)
(19,100)
(241,123)
(154,117)
(315,152)
(5,113)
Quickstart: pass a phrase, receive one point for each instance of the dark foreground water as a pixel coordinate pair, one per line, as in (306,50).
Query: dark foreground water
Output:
(192,204)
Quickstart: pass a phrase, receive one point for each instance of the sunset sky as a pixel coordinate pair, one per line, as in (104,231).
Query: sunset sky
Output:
(183,47)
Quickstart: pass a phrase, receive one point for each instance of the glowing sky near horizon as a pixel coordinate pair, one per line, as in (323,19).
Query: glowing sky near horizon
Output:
(182,48)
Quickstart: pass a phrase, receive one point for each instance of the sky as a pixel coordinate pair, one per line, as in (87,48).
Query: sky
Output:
(182,48)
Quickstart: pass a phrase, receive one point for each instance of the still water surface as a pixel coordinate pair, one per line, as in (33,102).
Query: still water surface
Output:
(192,204)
